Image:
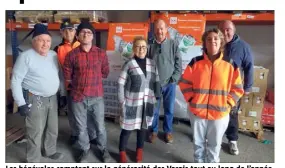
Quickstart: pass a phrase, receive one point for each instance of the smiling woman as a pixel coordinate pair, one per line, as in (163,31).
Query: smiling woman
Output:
(212,85)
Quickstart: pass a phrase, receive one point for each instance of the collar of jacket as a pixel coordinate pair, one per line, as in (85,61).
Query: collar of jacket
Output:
(234,40)
(155,41)
(206,57)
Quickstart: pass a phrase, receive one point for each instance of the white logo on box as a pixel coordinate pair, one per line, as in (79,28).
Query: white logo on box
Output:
(173,20)
(119,29)
(252,113)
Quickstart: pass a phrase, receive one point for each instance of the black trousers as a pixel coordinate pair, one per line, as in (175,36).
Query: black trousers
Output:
(124,137)
(232,130)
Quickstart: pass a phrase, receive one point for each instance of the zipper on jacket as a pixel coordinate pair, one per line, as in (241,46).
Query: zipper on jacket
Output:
(209,90)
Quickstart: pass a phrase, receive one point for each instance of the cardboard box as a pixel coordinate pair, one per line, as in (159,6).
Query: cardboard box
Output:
(249,124)
(258,100)
(254,112)
(241,112)
(246,101)
(243,122)
(9,61)
(15,108)
(8,78)
(254,124)
(260,80)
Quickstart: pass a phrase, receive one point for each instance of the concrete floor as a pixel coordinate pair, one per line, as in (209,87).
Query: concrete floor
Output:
(181,151)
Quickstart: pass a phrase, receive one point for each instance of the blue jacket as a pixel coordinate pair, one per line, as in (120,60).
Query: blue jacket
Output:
(240,52)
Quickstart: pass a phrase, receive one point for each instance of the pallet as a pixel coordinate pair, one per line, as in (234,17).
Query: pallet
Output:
(258,133)
(114,118)
(13,134)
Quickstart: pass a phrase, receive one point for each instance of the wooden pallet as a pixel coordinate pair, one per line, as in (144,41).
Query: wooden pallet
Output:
(258,133)
(13,134)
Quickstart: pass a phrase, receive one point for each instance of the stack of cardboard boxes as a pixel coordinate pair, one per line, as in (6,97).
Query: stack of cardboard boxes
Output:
(252,104)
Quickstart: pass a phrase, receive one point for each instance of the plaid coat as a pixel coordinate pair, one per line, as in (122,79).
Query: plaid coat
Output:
(135,91)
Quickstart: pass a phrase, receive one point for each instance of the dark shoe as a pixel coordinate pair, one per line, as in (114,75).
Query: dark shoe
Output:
(82,157)
(72,140)
(152,137)
(106,156)
(168,138)
(56,156)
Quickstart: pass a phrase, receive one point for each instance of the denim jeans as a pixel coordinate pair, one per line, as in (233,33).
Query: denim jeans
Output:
(168,95)
(92,109)
(207,138)
(72,123)
(232,130)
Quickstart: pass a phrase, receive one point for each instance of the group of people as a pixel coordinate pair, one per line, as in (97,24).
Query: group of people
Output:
(211,85)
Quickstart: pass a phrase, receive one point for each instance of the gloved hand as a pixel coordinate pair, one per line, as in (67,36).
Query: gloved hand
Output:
(24,110)
(62,101)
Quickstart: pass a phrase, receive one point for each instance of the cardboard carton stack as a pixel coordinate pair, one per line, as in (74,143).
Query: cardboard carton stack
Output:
(251,108)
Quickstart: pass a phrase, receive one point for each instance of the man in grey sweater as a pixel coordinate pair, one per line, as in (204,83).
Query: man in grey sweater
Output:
(35,82)
(167,56)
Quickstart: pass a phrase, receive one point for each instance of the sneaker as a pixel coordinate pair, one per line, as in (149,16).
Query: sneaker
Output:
(56,156)
(82,157)
(168,138)
(106,156)
(152,137)
(233,147)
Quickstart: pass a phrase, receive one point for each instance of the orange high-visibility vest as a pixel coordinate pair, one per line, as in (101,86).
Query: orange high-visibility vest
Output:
(62,50)
(65,48)
(211,89)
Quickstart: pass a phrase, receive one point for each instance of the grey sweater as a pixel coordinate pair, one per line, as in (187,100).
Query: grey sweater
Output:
(168,60)
(38,74)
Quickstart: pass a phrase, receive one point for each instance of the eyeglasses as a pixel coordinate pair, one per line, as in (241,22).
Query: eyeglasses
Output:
(141,47)
(87,33)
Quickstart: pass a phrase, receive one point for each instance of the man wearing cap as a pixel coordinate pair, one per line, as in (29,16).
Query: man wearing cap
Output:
(84,67)
(35,82)
(69,42)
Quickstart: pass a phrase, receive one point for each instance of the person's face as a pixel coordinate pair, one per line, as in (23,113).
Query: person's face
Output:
(213,43)
(140,48)
(68,34)
(160,30)
(228,30)
(85,36)
(42,44)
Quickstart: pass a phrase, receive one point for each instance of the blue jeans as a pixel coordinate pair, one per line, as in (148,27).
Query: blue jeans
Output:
(168,95)
(90,109)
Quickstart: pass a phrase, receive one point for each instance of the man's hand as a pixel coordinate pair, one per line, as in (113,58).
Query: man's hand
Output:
(62,101)
(24,110)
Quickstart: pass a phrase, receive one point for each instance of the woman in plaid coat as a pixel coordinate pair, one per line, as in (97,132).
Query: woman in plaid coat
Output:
(138,90)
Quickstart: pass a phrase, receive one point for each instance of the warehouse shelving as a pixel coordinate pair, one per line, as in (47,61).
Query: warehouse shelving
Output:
(266,18)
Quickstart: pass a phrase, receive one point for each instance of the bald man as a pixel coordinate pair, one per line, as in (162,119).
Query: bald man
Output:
(166,54)
(240,52)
